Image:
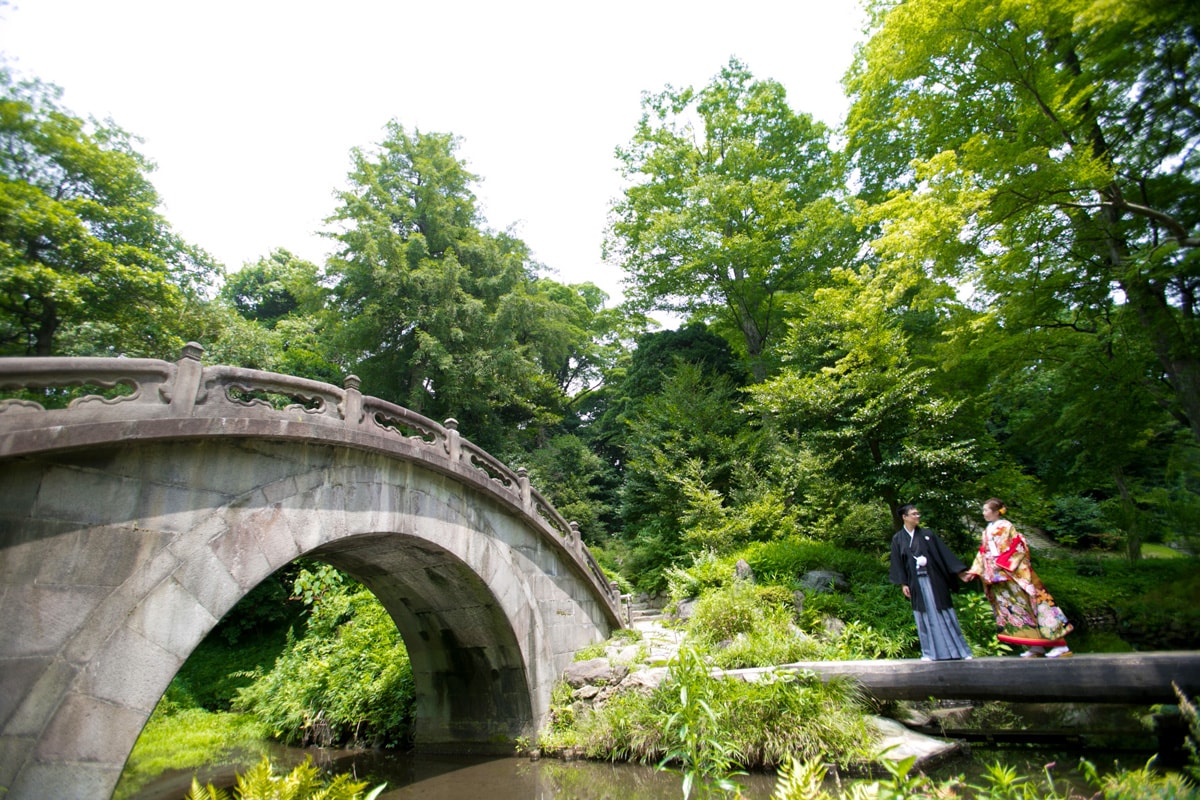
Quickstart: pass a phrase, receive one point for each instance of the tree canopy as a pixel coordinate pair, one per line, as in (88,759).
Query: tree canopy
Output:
(1045,154)
(88,264)
(734,202)
(438,313)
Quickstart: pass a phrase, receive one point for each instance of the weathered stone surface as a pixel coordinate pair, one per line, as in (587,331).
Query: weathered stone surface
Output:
(913,717)
(684,609)
(897,743)
(824,580)
(1140,678)
(626,655)
(645,679)
(594,671)
(832,626)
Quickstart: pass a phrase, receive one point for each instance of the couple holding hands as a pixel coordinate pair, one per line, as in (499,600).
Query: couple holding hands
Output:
(1026,614)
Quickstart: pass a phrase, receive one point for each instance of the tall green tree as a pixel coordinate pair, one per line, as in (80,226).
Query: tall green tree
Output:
(686,440)
(734,203)
(437,313)
(654,358)
(578,482)
(1046,154)
(853,395)
(88,264)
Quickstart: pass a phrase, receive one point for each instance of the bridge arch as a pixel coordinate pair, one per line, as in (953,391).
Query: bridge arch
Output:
(131,526)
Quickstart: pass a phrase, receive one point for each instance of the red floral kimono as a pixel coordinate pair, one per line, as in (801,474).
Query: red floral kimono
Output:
(1025,611)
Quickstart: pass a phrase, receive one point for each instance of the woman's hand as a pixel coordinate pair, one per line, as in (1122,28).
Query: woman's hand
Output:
(967,576)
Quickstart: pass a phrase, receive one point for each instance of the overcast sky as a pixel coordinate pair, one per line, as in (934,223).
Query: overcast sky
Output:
(250,108)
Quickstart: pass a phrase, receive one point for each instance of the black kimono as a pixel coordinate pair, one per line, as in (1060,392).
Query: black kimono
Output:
(929,591)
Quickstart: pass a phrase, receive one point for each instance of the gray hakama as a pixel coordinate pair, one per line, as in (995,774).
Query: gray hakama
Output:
(938,629)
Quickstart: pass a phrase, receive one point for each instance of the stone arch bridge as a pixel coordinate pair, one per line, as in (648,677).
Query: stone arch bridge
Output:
(134,519)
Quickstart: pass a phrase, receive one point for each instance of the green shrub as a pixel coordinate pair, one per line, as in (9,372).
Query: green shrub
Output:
(216,669)
(978,623)
(1074,521)
(792,714)
(785,560)
(724,613)
(707,571)
(1155,603)
(591,651)
(746,724)
(630,727)
(854,526)
(858,641)
(347,679)
(772,641)
(1144,784)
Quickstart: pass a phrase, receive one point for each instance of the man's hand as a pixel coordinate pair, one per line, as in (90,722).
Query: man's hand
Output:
(907,593)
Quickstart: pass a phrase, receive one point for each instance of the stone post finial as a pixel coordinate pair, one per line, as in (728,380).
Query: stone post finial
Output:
(452,436)
(351,406)
(526,493)
(185,390)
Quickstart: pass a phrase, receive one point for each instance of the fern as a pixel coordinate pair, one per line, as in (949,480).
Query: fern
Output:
(304,782)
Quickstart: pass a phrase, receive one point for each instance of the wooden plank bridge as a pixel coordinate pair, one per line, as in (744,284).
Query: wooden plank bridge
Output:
(1134,678)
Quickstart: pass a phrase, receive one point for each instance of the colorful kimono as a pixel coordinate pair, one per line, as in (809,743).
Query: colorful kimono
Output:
(1025,612)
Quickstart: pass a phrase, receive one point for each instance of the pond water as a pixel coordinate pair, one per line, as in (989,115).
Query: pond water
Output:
(432,777)
(1108,736)
(427,777)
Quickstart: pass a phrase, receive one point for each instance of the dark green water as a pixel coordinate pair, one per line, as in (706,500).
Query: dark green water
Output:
(466,778)
(1109,736)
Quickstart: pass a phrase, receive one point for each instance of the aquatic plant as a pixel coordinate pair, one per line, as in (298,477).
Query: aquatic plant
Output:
(697,749)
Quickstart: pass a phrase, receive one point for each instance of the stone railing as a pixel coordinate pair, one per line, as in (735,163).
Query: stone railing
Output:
(151,399)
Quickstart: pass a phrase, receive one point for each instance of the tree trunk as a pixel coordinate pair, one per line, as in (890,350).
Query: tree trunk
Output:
(1173,348)
(1133,537)
(43,337)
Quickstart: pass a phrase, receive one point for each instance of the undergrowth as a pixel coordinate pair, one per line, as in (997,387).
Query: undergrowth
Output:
(187,738)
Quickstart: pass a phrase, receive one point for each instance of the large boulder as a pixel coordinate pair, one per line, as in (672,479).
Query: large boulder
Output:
(594,672)
(824,580)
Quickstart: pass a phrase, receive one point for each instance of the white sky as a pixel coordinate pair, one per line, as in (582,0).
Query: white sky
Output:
(250,108)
